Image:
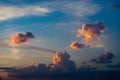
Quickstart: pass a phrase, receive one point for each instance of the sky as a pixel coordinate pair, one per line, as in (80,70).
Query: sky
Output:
(54,24)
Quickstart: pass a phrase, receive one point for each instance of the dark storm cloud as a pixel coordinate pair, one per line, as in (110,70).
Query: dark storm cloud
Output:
(105,57)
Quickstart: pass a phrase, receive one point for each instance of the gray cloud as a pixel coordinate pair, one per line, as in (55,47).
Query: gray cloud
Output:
(105,57)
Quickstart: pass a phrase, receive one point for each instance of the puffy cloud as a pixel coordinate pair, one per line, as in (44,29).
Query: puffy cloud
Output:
(89,32)
(62,61)
(18,38)
(76,45)
(103,58)
(9,12)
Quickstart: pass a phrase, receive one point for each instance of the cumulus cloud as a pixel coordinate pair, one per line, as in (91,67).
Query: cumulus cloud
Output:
(62,64)
(105,57)
(62,61)
(89,32)
(76,45)
(18,38)
(9,12)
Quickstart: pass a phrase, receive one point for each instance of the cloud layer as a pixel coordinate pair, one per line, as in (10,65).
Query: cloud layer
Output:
(9,12)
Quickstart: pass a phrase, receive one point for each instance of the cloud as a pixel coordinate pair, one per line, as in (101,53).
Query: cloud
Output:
(10,12)
(80,8)
(76,45)
(62,61)
(62,64)
(105,57)
(114,66)
(15,48)
(18,38)
(90,32)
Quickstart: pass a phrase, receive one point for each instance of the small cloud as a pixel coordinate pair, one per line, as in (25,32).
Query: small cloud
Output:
(18,38)
(105,57)
(76,45)
(10,12)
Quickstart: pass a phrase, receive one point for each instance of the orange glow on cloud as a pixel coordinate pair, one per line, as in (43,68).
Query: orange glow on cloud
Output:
(33,63)
(90,31)
(56,59)
(18,38)
(76,45)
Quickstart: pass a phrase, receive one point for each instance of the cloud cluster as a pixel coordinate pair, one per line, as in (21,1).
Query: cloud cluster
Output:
(105,57)
(18,38)
(89,32)
(76,45)
(61,64)
(9,12)
(62,68)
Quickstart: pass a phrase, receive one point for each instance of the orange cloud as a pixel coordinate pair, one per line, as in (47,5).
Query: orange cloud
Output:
(18,38)
(90,31)
(76,45)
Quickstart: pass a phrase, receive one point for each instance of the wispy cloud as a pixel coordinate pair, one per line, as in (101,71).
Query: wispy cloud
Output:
(9,12)
(80,8)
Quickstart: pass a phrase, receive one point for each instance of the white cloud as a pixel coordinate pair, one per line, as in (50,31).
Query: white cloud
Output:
(79,8)
(9,12)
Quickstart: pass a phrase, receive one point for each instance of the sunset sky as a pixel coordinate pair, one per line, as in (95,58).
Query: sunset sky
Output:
(54,24)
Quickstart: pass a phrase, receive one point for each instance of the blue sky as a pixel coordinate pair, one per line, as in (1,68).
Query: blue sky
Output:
(54,24)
